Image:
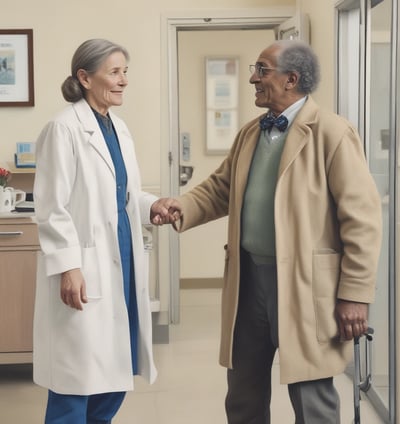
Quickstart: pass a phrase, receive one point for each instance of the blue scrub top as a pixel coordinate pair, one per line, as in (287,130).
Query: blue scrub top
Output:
(124,229)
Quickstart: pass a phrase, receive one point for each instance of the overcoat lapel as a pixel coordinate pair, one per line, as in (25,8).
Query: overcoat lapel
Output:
(294,143)
(298,136)
(245,159)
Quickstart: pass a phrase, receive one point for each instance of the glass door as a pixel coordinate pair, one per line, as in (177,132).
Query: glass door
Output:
(364,87)
(378,81)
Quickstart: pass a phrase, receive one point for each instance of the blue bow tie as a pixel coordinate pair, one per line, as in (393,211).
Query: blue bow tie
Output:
(269,121)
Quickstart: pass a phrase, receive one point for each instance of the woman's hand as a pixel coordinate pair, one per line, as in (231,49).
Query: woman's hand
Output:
(73,289)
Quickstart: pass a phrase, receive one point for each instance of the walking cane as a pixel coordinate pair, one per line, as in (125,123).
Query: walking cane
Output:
(359,384)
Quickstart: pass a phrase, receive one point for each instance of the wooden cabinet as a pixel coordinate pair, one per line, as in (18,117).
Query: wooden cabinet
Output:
(18,249)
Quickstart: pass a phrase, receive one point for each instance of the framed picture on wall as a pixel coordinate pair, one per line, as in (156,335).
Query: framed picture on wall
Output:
(16,67)
(222,98)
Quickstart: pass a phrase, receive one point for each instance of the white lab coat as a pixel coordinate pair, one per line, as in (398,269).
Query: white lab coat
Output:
(87,352)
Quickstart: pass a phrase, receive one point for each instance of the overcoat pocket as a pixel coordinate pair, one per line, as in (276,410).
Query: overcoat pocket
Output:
(325,280)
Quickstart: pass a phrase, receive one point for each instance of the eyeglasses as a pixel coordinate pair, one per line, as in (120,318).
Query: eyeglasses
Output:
(261,71)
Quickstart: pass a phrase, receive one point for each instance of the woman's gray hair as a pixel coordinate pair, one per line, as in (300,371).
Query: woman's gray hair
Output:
(88,56)
(297,56)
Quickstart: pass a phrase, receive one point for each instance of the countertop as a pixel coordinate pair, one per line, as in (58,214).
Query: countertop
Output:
(16,215)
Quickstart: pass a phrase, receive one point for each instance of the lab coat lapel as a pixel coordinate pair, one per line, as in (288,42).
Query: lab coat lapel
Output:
(123,137)
(93,131)
(126,146)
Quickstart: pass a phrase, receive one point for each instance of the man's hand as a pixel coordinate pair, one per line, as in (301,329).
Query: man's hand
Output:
(165,211)
(352,319)
(73,289)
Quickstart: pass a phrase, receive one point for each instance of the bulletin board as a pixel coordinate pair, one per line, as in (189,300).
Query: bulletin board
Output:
(222,98)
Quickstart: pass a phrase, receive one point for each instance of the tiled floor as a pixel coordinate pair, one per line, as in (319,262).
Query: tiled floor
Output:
(191,385)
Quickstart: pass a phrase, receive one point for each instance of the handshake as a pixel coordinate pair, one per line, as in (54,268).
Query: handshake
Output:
(165,210)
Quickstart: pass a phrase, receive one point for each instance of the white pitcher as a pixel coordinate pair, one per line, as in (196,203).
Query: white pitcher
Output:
(5,199)
(10,197)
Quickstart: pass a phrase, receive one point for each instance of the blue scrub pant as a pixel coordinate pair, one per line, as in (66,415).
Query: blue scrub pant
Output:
(73,409)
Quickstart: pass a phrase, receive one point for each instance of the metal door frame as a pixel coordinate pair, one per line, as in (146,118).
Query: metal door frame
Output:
(364,114)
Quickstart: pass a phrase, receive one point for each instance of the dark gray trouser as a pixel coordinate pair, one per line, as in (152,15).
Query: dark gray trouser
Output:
(255,342)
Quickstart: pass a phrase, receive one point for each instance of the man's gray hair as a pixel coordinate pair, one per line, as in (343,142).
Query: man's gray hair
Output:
(297,56)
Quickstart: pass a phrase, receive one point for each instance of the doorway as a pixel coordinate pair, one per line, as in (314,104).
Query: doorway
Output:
(239,23)
(194,47)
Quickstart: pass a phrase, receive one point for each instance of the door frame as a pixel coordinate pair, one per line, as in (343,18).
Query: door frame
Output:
(171,24)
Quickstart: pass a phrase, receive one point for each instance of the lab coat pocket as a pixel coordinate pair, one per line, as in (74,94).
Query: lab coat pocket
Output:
(91,273)
(325,280)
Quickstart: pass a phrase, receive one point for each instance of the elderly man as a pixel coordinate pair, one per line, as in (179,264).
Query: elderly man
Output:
(304,236)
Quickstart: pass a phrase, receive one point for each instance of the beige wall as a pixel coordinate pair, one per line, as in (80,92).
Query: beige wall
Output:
(206,242)
(322,23)
(60,26)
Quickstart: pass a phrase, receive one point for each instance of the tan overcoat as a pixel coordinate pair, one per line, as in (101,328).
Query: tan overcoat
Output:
(328,236)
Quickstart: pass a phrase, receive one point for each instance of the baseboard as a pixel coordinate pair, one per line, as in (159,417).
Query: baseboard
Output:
(201,283)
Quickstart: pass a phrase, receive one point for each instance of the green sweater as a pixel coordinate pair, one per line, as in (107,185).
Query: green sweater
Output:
(258,224)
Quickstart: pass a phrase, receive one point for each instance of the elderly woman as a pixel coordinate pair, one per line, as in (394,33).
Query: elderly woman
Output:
(92,325)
